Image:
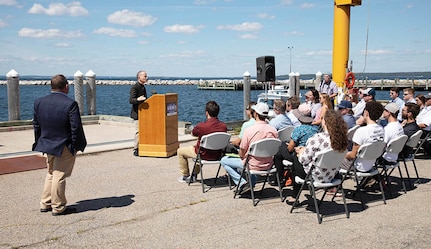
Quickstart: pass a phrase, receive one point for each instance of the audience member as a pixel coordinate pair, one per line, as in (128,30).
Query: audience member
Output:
(420,100)
(334,136)
(345,109)
(292,104)
(424,122)
(392,130)
(256,132)
(212,124)
(409,95)
(369,133)
(312,98)
(410,112)
(394,95)
(366,95)
(281,120)
(326,103)
(299,137)
(251,121)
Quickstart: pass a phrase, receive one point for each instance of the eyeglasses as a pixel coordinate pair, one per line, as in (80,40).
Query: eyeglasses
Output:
(406,94)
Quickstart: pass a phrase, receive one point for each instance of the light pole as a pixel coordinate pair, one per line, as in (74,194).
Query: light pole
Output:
(290,58)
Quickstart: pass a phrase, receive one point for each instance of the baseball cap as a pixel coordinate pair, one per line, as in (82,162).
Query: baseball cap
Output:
(392,107)
(261,108)
(344,104)
(369,91)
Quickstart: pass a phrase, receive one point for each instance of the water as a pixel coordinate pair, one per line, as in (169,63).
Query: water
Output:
(114,100)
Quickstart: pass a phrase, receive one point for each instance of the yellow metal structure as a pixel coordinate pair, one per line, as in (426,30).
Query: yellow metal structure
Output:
(340,50)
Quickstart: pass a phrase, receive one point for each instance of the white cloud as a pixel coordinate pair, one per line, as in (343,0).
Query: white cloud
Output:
(8,2)
(324,52)
(376,52)
(131,18)
(307,5)
(248,36)
(2,23)
(48,33)
(187,29)
(116,32)
(62,45)
(265,16)
(185,54)
(295,33)
(143,42)
(58,9)
(286,2)
(244,27)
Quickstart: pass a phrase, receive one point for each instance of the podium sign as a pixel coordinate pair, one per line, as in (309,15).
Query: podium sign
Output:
(158,126)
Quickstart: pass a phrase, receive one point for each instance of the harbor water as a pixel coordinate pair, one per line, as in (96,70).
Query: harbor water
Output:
(114,100)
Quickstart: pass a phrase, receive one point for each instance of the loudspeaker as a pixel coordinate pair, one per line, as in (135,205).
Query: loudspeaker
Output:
(265,67)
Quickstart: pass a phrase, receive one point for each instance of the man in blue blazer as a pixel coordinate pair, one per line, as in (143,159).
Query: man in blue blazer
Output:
(58,132)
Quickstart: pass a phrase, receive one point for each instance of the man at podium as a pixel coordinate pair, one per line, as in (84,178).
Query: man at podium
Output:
(138,94)
(212,124)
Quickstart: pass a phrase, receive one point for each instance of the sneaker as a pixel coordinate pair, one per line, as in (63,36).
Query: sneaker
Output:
(244,189)
(187,179)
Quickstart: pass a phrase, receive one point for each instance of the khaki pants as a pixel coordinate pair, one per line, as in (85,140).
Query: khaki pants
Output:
(136,144)
(59,168)
(184,153)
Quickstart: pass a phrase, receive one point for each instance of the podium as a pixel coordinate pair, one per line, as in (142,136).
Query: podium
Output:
(158,126)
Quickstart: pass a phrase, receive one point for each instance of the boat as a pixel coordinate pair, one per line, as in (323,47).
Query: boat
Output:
(276,92)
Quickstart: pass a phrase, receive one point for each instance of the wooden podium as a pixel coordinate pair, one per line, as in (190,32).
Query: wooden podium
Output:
(158,125)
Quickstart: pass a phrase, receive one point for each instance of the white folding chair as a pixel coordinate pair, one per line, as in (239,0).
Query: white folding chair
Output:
(394,146)
(327,159)
(285,133)
(415,144)
(214,141)
(267,147)
(368,151)
(350,134)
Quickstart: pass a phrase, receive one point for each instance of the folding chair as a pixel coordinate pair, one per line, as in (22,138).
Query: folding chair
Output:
(327,159)
(368,151)
(414,143)
(350,134)
(394,146)
(267,147)
(285,133)
(213,141)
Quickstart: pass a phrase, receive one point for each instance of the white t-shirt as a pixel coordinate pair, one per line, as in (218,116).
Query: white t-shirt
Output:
(424,117)
(392,131)
(359,109)
(367,134)
(294,119)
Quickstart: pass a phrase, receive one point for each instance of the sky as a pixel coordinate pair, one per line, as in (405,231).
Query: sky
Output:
(207,38)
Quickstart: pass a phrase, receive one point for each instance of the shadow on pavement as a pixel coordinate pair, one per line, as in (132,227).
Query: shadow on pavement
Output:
(100,203)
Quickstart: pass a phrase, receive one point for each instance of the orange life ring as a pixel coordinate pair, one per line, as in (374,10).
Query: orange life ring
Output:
(349,80)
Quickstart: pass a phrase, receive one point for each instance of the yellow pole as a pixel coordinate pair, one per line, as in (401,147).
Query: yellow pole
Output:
(340,51)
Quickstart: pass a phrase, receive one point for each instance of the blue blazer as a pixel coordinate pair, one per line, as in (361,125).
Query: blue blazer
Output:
(57,123)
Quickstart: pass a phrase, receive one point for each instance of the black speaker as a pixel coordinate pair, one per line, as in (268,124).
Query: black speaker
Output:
(265,67)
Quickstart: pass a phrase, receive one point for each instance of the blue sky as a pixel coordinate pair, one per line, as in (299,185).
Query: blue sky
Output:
(207,38)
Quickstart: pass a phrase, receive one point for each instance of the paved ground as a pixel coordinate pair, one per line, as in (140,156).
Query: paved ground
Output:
(136,202)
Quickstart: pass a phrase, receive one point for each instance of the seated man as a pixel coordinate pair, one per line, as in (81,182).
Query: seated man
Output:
(369,133)
(212,124)
(424,122)
(281,120)
(392,130)
(234,144)
(409,113)
(259,131)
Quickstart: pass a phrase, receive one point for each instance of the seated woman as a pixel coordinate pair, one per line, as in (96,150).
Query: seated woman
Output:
(334,136)
(326,103)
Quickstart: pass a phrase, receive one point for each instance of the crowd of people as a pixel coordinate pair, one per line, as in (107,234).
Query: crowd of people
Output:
(319,125)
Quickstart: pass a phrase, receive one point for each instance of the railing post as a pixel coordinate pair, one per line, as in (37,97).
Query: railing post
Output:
(246,90)
(13,95)
(91,92)
(79,90)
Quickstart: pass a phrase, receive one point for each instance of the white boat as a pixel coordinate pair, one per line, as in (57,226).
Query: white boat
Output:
(276,92)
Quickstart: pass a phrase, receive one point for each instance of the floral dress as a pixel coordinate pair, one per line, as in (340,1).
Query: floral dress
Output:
(318,142)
